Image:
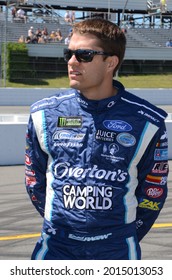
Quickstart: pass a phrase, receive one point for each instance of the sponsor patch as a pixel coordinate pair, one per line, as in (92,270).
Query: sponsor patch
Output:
(161,145)
(158,180)
(109,152)
(151,205)
(69,144)
(148,116)
(83,102)
(160,167)
(161,154)
(27,147)
(107,136)
(42,104)
(64,169)
(67,135)
(117,125)
(87,197)
(89,238)
(164,136)
(29,172)
(110,104)
(113,149)
(30,180)
(33,197)
(27,160)
(158,144)
(126,139)
(70,122)
(154,192)
(139,223)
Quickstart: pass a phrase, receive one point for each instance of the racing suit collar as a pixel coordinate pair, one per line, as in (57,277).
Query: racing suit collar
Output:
(100,105)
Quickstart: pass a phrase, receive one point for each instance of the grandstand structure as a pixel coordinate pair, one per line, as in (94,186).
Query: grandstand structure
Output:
(147,33)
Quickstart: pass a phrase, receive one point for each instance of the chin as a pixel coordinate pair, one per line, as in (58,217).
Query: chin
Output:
(74,84)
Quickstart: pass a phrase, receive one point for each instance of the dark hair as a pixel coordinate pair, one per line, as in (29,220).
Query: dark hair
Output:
(111,38)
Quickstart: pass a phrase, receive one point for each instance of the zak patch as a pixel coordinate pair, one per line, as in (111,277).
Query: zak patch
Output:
(151,205)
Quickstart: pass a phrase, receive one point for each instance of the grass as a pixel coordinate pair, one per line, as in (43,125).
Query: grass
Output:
(129,81)
(147,81)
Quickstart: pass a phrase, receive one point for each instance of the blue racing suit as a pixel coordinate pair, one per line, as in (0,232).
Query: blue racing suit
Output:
(97,172)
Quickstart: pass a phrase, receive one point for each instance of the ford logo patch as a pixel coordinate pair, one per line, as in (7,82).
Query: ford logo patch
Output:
(117,125)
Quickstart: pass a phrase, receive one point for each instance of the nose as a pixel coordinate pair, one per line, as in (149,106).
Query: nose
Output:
(73,59)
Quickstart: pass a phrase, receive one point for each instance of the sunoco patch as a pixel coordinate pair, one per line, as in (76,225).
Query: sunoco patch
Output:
(70,122)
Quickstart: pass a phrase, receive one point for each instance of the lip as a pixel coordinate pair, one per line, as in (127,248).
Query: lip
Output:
(74,73)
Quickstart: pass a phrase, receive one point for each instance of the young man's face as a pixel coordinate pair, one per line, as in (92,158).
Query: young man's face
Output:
(86,77)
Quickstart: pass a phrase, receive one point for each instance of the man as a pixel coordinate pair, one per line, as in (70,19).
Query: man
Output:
(31,32)
(96,156)
(67,17)
(21,15)
(168,43)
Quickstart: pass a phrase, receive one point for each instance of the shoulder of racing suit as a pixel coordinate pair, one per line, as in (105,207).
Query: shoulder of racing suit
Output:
(144,109)
(140,106)
(53,101)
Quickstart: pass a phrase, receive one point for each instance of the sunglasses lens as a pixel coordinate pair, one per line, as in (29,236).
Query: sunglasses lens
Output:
(67,55)
(84,55)
(81,55)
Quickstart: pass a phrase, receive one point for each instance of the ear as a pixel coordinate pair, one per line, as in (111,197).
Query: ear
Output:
(112,62)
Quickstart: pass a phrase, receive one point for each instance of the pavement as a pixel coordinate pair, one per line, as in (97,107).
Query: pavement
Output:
(20,224)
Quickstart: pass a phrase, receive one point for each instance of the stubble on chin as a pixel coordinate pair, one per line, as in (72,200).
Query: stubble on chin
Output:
(74,85)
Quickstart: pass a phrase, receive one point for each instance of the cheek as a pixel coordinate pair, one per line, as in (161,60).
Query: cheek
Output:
(93,78)
(97,72)
(94,70)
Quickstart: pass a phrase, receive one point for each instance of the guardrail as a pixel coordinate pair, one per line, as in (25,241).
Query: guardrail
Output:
(27,96)
(56,50)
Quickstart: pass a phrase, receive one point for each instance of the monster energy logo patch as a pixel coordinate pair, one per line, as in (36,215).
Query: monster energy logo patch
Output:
(69,122)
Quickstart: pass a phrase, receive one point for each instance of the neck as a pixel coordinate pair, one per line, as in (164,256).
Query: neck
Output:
(99,95)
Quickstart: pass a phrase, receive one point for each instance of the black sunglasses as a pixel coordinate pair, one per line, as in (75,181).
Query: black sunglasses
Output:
(83,55)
